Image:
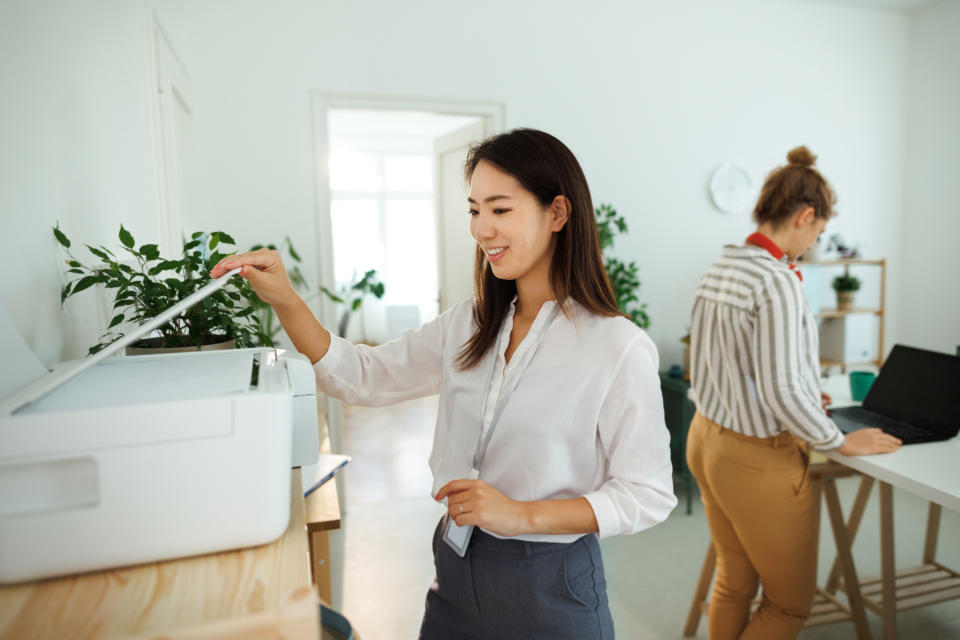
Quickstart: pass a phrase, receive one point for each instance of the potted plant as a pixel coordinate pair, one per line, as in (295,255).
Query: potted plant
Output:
(351,296)
(846,286)
(147,284)
(623,276)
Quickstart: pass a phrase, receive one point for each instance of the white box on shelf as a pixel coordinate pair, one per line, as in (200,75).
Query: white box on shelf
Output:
(851,338)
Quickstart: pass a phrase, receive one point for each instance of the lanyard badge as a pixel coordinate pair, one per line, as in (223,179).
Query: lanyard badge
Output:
(456,536)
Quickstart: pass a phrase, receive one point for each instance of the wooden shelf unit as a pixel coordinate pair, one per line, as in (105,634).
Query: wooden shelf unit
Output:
(826,314)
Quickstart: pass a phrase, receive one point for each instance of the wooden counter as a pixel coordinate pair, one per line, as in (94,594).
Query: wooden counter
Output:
(252,593)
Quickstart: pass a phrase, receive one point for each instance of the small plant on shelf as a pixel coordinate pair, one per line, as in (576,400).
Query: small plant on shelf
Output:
(846,287)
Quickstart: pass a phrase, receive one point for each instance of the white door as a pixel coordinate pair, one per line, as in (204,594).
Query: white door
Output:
(456,248)
(176,133)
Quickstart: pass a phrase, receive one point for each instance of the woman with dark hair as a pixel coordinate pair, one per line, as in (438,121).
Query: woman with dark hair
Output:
(754,360)
(550,430)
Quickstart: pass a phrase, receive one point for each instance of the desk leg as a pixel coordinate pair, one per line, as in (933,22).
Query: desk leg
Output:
(933,530)
(853,524)
(320,564)
(845,556)
(888,567)
(700,595)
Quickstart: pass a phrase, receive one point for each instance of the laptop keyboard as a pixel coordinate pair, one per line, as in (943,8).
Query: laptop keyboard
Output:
(892,426)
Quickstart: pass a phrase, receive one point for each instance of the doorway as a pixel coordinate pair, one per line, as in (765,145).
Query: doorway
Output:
(392,198)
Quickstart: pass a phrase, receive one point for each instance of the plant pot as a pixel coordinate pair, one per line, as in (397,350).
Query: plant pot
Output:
(210,343)
(845,300)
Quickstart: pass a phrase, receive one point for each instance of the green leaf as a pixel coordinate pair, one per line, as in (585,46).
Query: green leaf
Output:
(65,292)
(331,295)
(190,245)
(293,252)
(196,234)
(75,271)
(85,283)
(74,263)
(356,304)
(149,251)
(126,238)
(214,240)
(99,253)
(225,238)
(61,238)
(165,265)
(117,319)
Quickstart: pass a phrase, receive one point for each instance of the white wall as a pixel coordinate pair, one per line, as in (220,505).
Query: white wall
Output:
(930,311)
(651,96)
(75,126)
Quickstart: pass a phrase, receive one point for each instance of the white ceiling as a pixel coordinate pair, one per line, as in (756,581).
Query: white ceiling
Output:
(890,5)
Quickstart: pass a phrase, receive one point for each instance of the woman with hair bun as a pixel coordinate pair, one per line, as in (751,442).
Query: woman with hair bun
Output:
(754,359)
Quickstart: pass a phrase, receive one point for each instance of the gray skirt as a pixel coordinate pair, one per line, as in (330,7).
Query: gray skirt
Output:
(508,589)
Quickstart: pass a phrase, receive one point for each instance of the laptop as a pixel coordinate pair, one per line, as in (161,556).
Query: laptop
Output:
(916,397)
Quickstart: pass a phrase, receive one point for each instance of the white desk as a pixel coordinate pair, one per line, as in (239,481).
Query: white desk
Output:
(929,470)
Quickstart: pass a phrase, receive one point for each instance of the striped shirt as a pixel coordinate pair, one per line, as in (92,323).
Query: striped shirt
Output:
(754,350)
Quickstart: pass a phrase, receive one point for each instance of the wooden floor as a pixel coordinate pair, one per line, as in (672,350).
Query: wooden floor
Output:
(389,519)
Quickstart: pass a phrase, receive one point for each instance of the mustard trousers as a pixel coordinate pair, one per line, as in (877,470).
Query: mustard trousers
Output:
(763,520)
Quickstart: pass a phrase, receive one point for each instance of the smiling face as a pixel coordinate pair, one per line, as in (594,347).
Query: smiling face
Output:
(514,230)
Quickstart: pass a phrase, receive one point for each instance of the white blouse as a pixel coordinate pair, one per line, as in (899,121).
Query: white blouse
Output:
(586,418)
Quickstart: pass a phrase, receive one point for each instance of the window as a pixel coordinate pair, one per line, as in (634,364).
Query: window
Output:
(383,219)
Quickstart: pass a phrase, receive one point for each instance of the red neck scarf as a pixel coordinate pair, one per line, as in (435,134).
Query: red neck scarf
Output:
(762,241)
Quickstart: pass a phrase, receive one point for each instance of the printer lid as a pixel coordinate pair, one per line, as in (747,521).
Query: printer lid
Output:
(48,383)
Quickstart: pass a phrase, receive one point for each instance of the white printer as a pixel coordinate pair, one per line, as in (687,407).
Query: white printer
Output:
(116,461)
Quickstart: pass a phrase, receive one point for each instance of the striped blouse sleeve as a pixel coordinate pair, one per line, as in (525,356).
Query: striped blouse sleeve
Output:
(778,367)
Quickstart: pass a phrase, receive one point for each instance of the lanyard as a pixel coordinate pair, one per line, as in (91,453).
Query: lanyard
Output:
(483,441)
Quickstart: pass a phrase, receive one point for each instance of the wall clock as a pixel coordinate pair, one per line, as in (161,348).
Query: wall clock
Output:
(731,188)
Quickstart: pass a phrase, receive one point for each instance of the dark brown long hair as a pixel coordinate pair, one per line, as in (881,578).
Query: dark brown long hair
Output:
(792,186)
(545,167)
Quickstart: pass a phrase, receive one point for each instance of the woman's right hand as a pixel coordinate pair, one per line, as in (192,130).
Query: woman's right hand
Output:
(264,270)
(865,442)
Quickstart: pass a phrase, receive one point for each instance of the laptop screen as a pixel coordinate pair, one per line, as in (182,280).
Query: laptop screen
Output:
(918,386)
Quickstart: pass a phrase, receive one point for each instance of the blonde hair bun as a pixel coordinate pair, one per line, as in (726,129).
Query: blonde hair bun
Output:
(801,156)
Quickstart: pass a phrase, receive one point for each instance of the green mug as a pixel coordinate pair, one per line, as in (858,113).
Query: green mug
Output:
(860,383)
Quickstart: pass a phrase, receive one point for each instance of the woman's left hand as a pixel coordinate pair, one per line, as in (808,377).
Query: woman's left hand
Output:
(476,502)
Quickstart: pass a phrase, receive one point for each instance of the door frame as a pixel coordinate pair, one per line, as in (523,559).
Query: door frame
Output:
(168,80)
(494,114)
(454,140)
